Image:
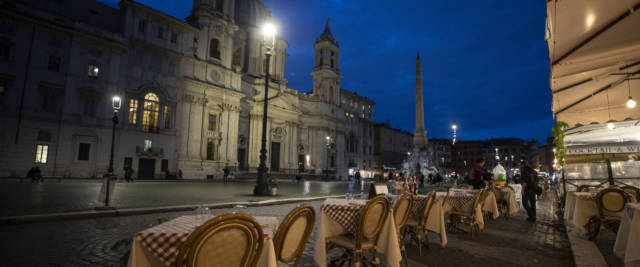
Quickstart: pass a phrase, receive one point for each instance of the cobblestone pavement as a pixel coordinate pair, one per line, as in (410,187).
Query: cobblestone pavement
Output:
(504,242)
(511,242)
(70,195)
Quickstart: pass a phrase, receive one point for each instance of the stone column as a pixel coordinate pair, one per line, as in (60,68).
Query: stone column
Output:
(419,134)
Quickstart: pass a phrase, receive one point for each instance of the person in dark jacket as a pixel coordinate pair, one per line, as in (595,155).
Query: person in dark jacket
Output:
(529,180)
(477,174)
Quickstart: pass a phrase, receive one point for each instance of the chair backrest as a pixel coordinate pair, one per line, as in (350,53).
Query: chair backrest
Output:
(402,210)
(293,234)
(226,240)
(611,202)
(372,218)
(587,188)
(633,192)
(479,199)
(430,201)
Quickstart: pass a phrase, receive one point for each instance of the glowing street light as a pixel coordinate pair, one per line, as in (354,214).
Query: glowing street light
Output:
(455,132)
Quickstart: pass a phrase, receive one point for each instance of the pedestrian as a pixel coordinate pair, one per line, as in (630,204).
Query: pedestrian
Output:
(529,177)
(127,174)
(358,176)
(180,174)
(477,174)
(226,173)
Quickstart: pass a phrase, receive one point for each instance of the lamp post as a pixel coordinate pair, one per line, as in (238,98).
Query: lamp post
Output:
(455,132)
(116,103)
(326,165)
(269,42)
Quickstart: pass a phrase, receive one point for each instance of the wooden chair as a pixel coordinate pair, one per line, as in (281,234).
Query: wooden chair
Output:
(401,214)
(293,234)
(417,227)
(468,216)
(611,202)
(226,240)
(372,218)
(633,192)
(588,188)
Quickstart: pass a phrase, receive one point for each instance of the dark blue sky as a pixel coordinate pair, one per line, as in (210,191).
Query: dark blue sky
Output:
(485,63)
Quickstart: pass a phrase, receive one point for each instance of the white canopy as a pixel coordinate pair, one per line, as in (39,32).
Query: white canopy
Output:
(594,49)
(624,132)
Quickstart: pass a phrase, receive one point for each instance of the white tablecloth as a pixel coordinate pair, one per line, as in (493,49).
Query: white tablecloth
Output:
(387,245)
(435,218)
(579,207)
(627,245)
(463,201)
(175,233)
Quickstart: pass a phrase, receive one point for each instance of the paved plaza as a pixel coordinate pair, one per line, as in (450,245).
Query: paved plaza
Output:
(512,242)
(77,195)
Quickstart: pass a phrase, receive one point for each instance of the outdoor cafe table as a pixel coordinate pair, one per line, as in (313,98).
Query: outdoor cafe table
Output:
(579,207)
(159,245)
(505,194)
(435,218)
(627,245)
(340,216)
(462,200)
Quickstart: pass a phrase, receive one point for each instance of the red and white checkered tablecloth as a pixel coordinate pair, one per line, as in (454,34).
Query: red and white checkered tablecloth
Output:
(457,201)
(419,203)
(345,212)
(165,240)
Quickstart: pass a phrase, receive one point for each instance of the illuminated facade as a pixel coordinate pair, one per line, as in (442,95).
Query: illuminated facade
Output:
(192,94)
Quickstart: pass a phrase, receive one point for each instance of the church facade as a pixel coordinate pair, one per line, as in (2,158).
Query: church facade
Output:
(192,94)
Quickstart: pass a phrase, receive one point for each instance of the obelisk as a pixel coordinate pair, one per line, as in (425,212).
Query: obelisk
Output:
(419,134)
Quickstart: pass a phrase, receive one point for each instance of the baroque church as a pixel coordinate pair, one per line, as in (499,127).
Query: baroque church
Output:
(192,94)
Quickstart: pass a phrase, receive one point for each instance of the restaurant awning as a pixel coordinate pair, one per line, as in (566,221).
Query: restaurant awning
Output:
(594,49)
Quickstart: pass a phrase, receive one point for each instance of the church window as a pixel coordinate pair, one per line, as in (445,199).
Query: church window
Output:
(331,93)
(210,150)
(321,57)
(84,151)
(142,25)
(133,111)
(219,5)
(332,59)
(166,116)
(212,122)
(151,109)
(214,48)
(54,62)
(49,98)
(89,107)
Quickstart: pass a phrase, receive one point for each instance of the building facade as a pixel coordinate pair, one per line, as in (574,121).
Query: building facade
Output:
(192,93)
(391,146)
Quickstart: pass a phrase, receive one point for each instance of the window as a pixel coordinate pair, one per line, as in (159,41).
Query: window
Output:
(44,136)
(212,122)
(321,57)
(332,57)
(174,37)
(148,144)
(93,71)
(219,5)
(166,116)
(210,150)
(159,32)
(89,107)
(214,48)
(142,25)
(5,50)
(133,111)
(41,153)
(150,112)
(84,150)
(54,63)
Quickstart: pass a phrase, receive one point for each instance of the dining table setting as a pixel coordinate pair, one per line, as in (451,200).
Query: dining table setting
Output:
(159,245)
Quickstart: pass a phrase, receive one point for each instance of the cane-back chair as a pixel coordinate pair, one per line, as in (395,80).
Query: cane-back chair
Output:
(226,240)
(293,234)
(611,202)
(402,211)
(417,226)
(370,222)
(468,216)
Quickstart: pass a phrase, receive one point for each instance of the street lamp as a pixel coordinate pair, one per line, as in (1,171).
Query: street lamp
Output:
(326,168)
(116,104)
(269,42)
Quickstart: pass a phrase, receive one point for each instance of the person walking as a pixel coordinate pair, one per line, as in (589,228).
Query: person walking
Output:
(477,174)
(226,174)
(357,175)
(32,174)
(528,178)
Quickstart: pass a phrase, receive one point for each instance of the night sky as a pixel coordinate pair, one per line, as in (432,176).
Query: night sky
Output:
(485,63)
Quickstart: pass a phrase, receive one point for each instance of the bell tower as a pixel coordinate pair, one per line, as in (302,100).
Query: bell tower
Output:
(214,18)
(326,71)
